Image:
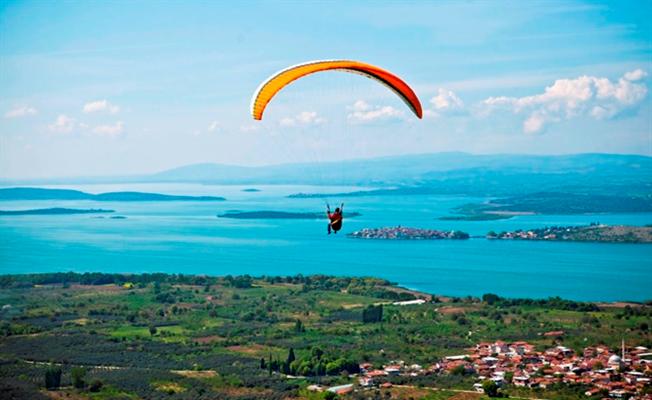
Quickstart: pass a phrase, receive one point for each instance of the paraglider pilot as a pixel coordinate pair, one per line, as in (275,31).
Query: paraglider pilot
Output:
(334,218)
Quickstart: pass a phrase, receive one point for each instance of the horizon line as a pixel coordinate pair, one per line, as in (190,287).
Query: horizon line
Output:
(4,180)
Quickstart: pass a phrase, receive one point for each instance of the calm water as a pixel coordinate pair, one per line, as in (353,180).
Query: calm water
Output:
(186,237)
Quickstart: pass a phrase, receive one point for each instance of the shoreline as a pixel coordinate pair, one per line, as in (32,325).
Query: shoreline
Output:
(58,279)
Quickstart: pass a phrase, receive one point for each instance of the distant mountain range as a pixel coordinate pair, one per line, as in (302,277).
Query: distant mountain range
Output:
(437,173)
(412,169)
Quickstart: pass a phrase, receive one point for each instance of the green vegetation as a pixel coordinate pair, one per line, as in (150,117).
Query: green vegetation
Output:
(372,313)
(78,375)
(160,336)
(490,388)
(591,233)
(52,378)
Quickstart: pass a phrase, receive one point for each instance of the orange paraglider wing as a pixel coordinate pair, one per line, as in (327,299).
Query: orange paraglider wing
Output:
(268,89)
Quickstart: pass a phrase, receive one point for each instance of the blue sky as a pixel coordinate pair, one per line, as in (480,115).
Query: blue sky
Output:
(115,88)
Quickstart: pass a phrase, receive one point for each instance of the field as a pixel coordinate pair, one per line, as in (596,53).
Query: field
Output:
(193,337)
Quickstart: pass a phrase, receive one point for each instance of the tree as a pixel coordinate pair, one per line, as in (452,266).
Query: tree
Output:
(152,330)
(490,388)
(316,352)
(320,369)
(459,370)
(490,298)
(52,377)
(263,365)
(372,314)
(509,376)
(333,367)
(298,326)
(95,386)
(330,395)
(285,368)
(78,374)
(291,356)
(305,368)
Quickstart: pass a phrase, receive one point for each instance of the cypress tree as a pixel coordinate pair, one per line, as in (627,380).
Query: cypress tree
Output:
(291,356)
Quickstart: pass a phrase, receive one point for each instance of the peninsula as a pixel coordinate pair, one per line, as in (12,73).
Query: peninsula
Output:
(558,203)
(67,194)
(55,211)
(592,233)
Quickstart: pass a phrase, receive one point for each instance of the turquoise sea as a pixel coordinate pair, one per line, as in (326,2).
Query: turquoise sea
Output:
(188,238)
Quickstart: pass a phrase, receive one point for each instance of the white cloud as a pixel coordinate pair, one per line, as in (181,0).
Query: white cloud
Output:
(249,128)
(534,123)
(362,112)
(19,112)
(63,124)
(112,131)
(446,101)
(635,75)
(101,106)
(214,126)
(591,96)
(304,118)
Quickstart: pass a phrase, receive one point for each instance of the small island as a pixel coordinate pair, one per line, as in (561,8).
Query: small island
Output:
(405,233)
(594,232)
(55,211)
(251,190)
(475,217)
(280,215)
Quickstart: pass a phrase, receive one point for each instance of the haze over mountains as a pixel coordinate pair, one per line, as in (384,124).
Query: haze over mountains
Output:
(441,172)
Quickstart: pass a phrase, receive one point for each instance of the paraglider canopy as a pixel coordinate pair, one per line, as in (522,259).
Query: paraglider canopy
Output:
(268,89)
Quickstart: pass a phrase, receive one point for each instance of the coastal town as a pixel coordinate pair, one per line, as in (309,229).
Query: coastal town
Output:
(603,372)
(405,233)
(594,232)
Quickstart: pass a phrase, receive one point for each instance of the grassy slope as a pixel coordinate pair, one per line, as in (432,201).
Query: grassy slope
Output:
(228,330)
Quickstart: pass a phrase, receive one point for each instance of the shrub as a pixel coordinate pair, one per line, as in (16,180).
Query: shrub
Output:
(490,388)
(95,386)
(330,396)
(52,378)
(78,374)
